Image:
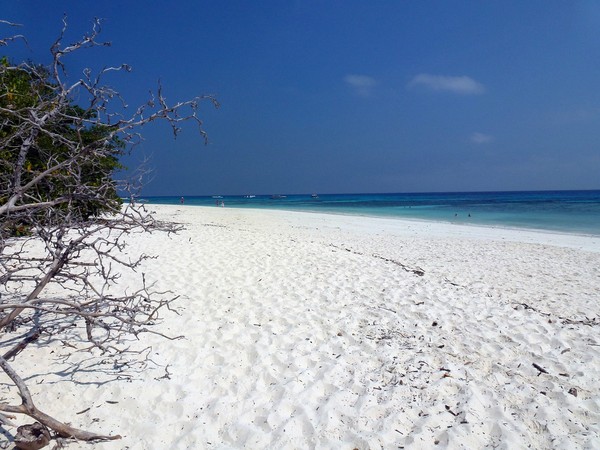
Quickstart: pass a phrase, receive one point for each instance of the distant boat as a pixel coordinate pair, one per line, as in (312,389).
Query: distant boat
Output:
(217,196)
(249,196)
(277,197)
(314,195)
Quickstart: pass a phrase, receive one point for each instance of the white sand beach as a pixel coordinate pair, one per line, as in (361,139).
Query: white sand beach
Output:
(307,330)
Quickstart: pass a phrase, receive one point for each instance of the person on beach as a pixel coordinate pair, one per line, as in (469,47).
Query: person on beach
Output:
(182,200)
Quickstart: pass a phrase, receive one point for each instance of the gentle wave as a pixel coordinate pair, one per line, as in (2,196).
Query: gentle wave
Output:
(562,211)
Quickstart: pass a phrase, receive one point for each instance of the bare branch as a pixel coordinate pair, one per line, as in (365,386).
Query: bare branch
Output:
(28,407)
(5,41)
(21,345)
(63,227)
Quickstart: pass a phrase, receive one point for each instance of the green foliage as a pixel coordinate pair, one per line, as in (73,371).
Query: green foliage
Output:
(85,151)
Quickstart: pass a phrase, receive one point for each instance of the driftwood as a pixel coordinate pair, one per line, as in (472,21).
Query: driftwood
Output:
(80,256)
(28,408)
(540,368)
(32,437)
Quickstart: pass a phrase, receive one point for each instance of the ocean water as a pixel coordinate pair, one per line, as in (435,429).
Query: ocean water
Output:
(563,211)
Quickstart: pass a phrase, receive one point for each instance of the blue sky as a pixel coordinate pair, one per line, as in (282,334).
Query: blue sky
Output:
(351,96)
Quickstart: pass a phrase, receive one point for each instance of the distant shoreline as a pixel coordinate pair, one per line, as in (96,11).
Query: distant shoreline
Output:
(573,212)
(414,226)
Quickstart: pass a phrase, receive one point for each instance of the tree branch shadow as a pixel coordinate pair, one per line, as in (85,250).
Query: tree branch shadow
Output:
(10,438)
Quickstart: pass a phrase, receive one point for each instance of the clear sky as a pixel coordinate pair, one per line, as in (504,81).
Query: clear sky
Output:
(351,96)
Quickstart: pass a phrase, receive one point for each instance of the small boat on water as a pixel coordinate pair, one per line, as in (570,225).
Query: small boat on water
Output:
(314,195)
(277,197)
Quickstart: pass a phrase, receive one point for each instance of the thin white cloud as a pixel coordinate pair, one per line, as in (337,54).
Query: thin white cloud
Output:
(459,85)
(567,116)
(480,138)
(361,84)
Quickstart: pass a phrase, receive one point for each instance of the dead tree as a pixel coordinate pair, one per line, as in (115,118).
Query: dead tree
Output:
(62,224)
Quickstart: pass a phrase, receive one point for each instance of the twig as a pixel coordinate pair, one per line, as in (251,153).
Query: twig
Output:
(166,376)
(540,368)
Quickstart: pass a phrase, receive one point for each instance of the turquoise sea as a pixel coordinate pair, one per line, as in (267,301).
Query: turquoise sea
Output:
(563,211)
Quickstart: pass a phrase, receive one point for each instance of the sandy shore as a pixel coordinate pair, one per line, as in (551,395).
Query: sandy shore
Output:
(319,331)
